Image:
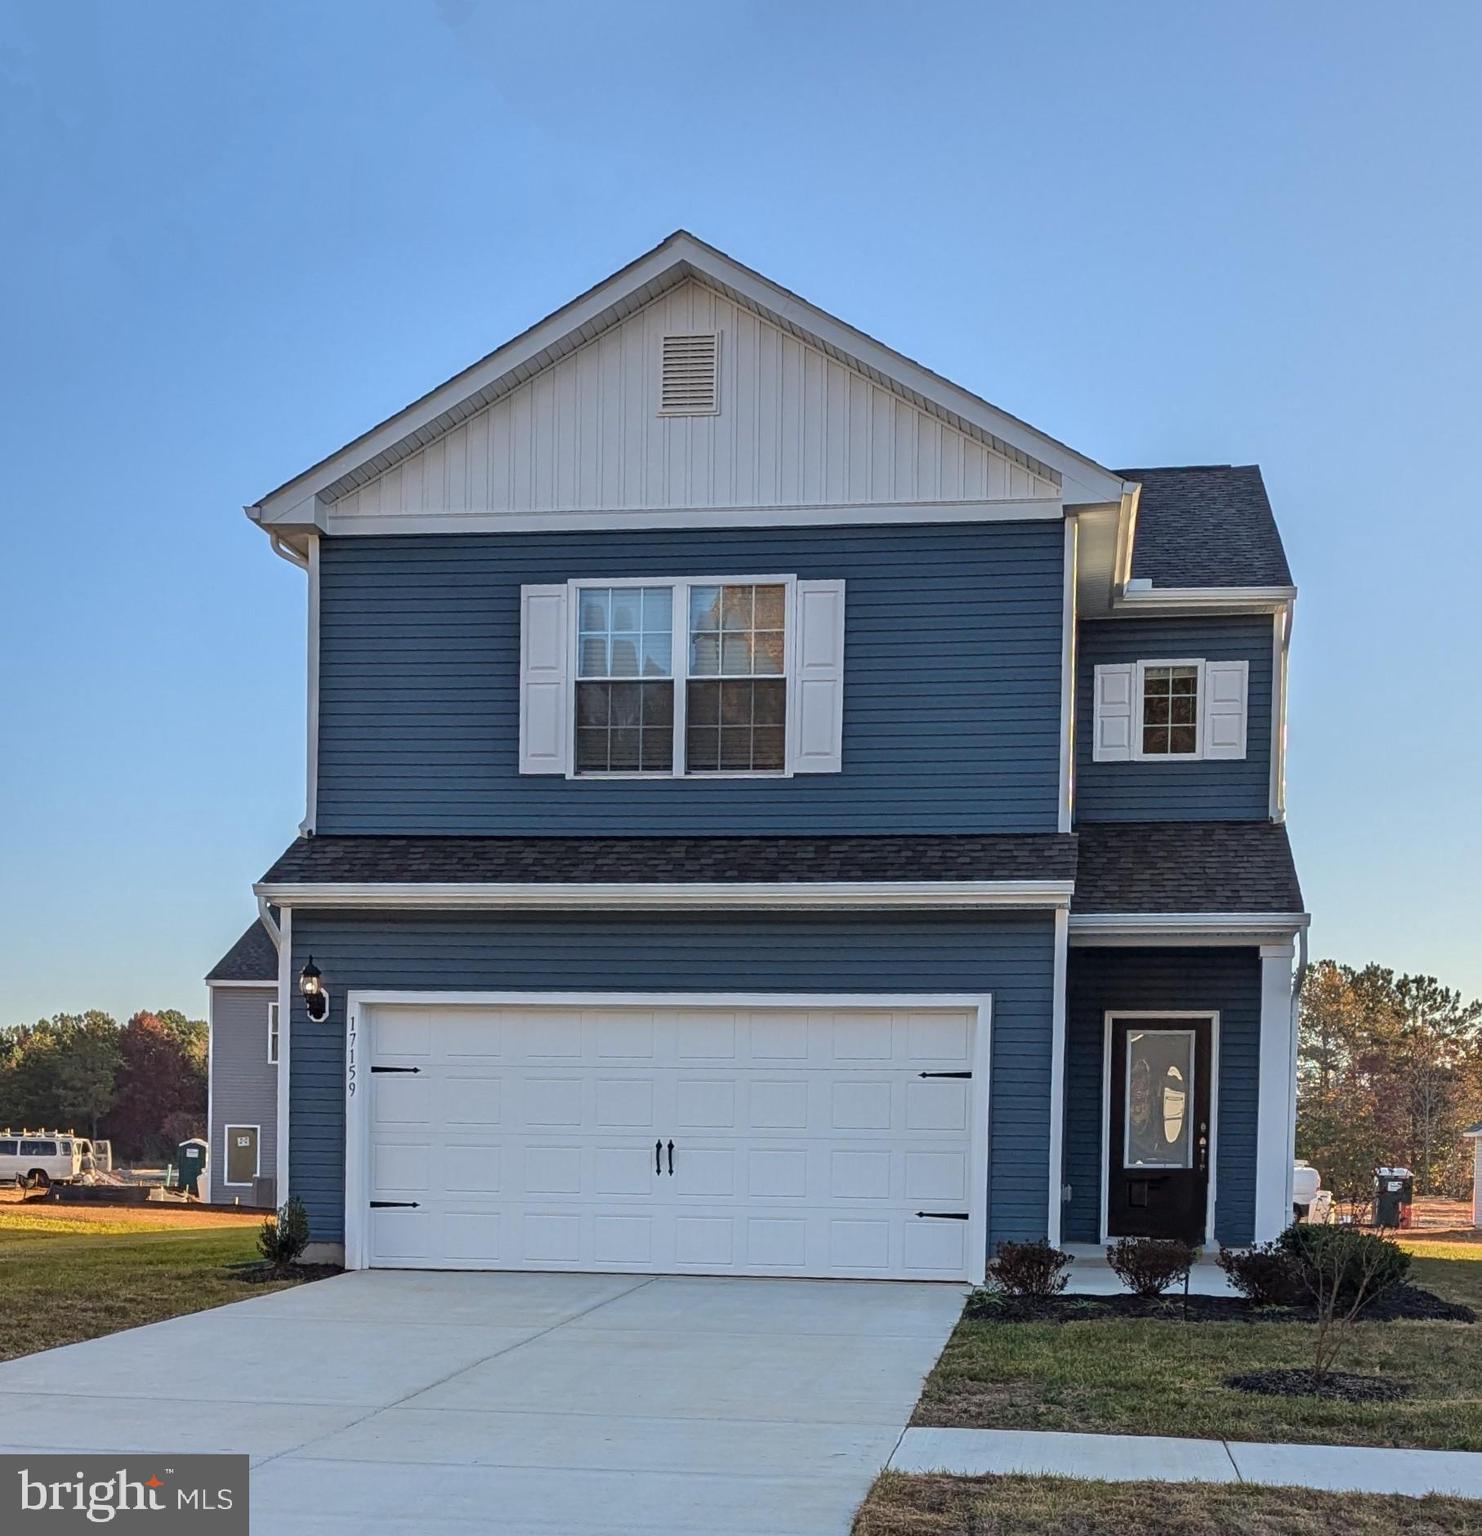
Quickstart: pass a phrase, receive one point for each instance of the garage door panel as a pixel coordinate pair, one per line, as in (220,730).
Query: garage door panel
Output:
(777,1104)
(548,1101)
(938,1105)
(473,1168)
(624,1032)
(935,1249)
(403,1032)
(398,1100)
(400,1168)
(702,1036)
(553,1170)
(625,1241)
(860,1106)
(703,1104)
(777,1037)
(938,1039)
(471,1100)
(857,1243)
(474,1236)
(777,1173)
(805,1140)
(625,1101)
(623,1170)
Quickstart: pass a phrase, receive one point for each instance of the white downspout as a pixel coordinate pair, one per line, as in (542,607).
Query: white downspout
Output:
(1299,977)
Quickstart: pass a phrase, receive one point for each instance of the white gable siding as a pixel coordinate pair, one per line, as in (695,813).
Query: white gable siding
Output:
(794,428)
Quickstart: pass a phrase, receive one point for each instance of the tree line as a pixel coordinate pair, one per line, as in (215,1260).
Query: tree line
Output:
(141,1086)
(1389,1074)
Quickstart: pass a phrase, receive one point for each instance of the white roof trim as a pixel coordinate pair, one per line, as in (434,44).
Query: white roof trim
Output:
(681,256)
(1024,509)
(1088,928)
(1136,601)
(655,896)
(242,984)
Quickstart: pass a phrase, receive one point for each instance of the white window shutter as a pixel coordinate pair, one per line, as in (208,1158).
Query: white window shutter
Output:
(1111,733)
(816,733)
(1225,687)
(543,722)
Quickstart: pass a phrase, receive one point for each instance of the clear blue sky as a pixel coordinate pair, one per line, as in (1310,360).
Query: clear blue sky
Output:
(237,235)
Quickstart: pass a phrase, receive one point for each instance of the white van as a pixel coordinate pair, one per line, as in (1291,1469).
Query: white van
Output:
(39,1159)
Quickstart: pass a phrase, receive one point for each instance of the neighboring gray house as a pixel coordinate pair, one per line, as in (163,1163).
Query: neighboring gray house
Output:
(242,1094)
(772,812)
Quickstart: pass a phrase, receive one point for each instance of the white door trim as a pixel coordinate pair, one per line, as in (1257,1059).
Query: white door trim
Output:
(357,1121)
(1214,1101)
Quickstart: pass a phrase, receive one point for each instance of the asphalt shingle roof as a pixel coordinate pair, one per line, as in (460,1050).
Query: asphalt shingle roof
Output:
(252,958)
(1206,525)
(1186,866)
(580,860)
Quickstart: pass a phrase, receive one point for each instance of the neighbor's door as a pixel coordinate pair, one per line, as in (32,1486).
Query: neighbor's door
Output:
(1159,1128)
(241,1154)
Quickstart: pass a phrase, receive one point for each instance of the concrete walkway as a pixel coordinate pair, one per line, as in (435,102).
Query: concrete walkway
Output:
(448,1404)
(1133,1458)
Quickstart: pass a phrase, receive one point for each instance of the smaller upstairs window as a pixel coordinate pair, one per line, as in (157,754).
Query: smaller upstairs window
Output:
(272,1032)
(1170,711)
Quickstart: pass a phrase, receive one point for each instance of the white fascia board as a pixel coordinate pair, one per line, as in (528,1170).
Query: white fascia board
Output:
(1009,510)
(211,984)
(1121,928)
(1165,601)
(883,895)
(681,256)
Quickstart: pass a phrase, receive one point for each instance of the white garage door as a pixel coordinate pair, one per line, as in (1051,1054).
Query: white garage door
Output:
(706,1139)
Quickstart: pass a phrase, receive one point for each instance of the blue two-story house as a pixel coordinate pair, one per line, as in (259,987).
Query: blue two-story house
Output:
(772,812)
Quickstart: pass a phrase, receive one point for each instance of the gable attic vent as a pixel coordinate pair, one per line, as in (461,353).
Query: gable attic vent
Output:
(688,375)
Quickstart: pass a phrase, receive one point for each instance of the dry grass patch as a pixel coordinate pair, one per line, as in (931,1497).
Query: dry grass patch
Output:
(1146,1377)
(60,1287)
(1046,1506)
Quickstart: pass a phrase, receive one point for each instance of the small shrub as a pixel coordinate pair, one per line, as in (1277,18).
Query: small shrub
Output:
(285,1236)
(1345,1261)
(1342,1270)
(1147,1266)
(984,1302)
(1264,1274)
(1030,1269)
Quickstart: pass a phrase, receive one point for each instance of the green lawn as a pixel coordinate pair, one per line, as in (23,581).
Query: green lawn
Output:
(62,1286)
(1047,1506)
(1166,1378)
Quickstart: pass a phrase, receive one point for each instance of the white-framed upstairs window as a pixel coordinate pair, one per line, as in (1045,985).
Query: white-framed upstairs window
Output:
(273,1032)
(682,677)
(1170,710)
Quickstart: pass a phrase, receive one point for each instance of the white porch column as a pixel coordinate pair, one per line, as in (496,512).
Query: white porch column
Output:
(1274,1102)
(1477,1179)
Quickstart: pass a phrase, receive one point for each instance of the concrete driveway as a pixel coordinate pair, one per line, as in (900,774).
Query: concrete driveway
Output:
(416,1402)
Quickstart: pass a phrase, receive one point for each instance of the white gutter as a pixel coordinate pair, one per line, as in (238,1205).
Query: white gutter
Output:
(265,917)
(283,550)
(669,895)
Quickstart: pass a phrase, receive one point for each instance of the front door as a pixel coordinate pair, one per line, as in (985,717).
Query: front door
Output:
(1159,1128)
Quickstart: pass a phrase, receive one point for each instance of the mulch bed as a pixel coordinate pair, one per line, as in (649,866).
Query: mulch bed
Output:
(1406,1303)
(1336,1386)
(265,1274)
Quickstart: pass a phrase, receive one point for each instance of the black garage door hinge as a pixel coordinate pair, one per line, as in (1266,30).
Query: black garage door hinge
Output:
(944,1074)
(943,1215)
(400,1205)
(396,1069)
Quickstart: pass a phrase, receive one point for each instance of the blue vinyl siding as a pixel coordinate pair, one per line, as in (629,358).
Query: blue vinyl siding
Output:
(1217,791)
(1224,980)
(1012,958)
(951,697)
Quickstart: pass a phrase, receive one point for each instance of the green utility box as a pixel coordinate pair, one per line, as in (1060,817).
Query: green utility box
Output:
(190,1164)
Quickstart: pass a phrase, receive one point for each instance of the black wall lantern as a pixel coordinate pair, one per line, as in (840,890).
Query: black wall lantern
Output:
(311,984)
